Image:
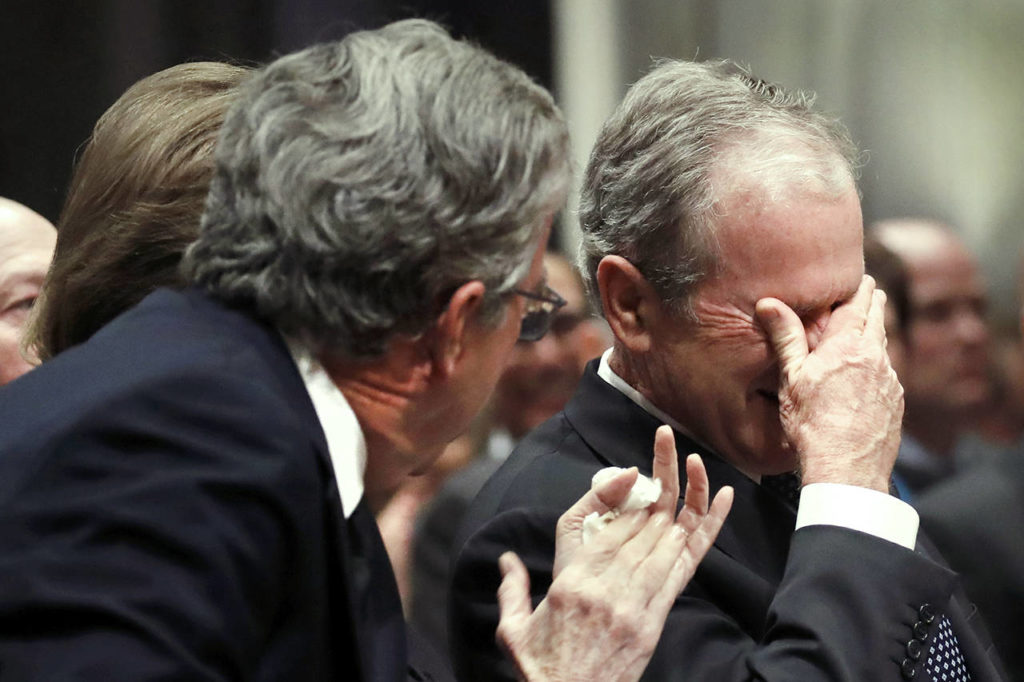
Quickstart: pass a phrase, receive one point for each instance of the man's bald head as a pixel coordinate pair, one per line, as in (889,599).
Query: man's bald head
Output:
(915,239)
(26,247)
(946,378)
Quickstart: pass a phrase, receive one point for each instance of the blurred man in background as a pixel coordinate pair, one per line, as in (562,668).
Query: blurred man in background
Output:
(27,240)
(542,376)
(945,377)
(538,381)
(977,521)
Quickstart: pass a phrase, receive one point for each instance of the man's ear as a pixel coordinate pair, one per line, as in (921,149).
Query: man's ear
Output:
(451,333)
(630,302)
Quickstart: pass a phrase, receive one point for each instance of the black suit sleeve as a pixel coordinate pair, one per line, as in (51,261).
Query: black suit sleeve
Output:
(844,610)
(153,538)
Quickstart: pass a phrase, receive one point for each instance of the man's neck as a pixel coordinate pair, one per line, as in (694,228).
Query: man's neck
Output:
(384,404)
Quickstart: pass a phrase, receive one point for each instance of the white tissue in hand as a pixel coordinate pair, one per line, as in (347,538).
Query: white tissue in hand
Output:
(644,493)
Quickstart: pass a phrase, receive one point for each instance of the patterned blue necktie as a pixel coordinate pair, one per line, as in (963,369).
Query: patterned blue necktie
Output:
(945,662)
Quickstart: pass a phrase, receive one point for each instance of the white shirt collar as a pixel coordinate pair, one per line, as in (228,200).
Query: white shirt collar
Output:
(605,371)
(345,441)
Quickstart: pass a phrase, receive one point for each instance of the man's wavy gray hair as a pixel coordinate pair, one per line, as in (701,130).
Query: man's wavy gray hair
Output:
(359,183)
(686,137)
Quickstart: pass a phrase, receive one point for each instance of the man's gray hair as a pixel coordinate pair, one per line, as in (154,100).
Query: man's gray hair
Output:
(360,183)
(687,137)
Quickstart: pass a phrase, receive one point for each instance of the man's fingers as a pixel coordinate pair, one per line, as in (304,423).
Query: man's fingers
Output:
(875,327)
(604,496)
(695,504)
(666,469)
(785,334)
(513,597)
(853,313)
(695,547)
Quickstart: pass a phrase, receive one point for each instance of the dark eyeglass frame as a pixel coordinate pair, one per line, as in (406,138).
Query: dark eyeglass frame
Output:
(541,307)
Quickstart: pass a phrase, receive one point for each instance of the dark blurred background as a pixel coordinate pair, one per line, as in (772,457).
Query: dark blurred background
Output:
(65,62)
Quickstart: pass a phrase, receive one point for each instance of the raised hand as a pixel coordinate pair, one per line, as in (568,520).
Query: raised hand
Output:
(606,607)
(841,404)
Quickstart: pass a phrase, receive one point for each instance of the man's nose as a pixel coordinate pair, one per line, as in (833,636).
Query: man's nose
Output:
(970,326)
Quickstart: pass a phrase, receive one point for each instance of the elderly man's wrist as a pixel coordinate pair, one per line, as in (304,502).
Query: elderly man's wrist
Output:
(846,476)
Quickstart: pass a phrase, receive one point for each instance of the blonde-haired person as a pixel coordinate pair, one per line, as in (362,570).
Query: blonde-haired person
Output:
(134,201)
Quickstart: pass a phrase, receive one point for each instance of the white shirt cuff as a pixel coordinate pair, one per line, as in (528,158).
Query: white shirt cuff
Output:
(856,508)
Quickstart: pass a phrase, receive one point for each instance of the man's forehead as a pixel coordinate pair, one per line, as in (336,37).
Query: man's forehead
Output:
(24,267)
(807,252)
(22,230)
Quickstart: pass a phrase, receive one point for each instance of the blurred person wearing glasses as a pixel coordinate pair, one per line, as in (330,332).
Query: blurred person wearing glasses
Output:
(185,492)
(538,380)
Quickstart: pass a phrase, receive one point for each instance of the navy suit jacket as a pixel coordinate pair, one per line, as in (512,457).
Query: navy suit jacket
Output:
(168,510)
(823,603)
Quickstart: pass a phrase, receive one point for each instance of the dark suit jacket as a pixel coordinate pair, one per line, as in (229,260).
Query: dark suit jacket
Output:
(977,522)
(433,547)
(168,510)
(824,603)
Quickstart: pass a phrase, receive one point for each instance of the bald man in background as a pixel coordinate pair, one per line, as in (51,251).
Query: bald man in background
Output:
(977,522)
(945,375)
(26,248)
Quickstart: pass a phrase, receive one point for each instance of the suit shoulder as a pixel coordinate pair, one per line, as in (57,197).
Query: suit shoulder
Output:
(202,393)
(551,467)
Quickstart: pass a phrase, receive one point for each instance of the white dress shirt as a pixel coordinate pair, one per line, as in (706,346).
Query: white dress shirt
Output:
(345,441)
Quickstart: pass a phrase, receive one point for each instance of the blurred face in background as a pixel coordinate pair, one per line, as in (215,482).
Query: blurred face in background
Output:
(542,375)
(948,337)
(896,343)
(26,247)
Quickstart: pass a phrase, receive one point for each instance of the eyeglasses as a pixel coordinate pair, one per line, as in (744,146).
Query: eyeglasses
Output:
(540,309)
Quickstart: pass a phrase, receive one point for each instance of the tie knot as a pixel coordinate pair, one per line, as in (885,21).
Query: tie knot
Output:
(784,486)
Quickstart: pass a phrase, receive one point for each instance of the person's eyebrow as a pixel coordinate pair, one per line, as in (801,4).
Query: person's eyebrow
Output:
(13,276)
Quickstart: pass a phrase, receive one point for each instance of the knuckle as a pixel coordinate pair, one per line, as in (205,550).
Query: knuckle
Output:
(569,595)
(563,526)
(505,636)
(624,624)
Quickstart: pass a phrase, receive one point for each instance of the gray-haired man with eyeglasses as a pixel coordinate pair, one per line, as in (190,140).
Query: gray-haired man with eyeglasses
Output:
(189,494)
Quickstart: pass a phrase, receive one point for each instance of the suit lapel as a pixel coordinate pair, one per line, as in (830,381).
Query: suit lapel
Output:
(366,610)
(374,594)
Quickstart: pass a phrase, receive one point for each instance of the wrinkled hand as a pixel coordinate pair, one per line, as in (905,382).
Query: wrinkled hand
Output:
(607,605)
(841,404)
